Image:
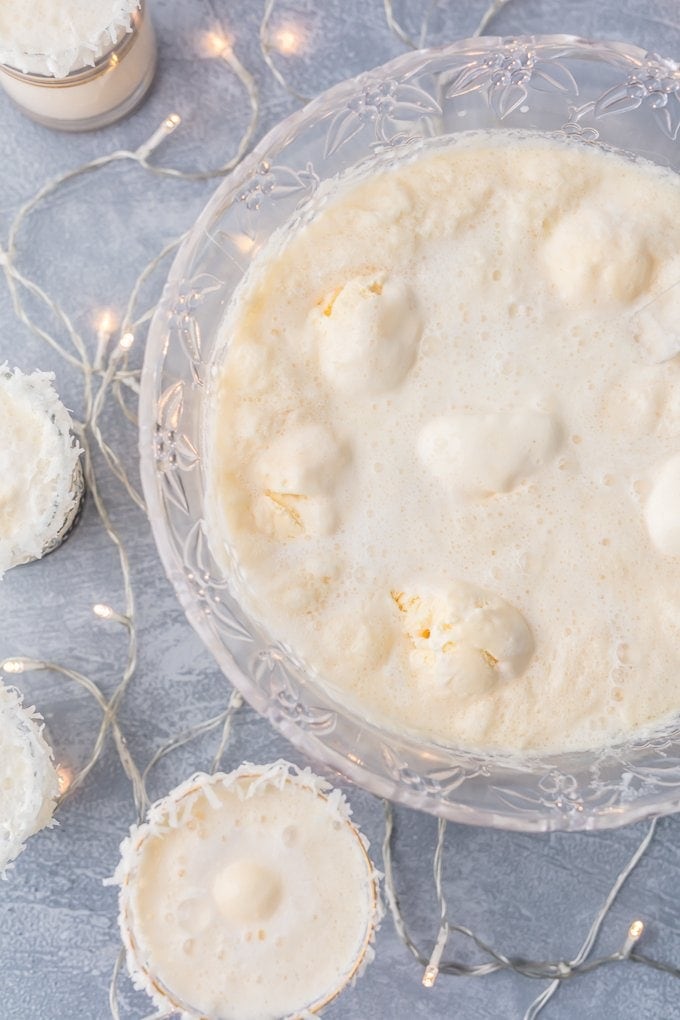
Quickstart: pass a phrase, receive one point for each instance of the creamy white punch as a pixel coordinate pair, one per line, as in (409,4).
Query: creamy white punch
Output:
(41,483)
(76,64)
(249,895)
(444,443)
(29,783)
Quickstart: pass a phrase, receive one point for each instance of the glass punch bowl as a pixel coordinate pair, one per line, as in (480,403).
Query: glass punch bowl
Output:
(596,93)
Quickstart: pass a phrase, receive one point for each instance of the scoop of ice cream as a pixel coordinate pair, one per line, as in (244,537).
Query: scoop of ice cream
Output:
(592,256)
(662,508)
(305,458)
(296,476)
(246,892)
(367,334)
(479,454)
(464,639)
(284,515)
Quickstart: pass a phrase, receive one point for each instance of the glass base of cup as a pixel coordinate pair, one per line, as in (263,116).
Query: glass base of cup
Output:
(74,514)
(101,120)
(79,490)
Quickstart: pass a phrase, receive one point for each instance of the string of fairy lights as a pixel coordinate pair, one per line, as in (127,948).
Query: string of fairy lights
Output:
(107,374)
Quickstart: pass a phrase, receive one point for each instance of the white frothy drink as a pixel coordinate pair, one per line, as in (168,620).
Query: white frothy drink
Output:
(444,443)
(248,895)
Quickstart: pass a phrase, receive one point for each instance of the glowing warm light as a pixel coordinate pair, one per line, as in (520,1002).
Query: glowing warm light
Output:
(432,970)
(166,128)
(104,612)
(127,340)
(288,40)
(64,777)
(13,666)
(106,323)
(634,933)
(215,44)
(430,975)
(244,243)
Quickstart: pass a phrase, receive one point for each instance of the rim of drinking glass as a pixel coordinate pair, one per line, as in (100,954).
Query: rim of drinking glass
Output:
(251,772)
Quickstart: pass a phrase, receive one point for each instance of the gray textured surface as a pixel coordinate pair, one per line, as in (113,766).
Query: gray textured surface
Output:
(529,895)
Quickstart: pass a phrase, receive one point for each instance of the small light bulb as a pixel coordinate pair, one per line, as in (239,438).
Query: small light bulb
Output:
(13,666)
(104,612)
(244,243)
(288,40)
(127,340)
(215,44)
(430,975)
(173,121)
(106,323)
(64,777)
(634,933)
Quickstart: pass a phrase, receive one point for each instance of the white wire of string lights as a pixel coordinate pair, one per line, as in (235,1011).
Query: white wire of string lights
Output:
(108,373)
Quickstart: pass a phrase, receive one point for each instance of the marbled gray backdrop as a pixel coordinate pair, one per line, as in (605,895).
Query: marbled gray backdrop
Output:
(526,894)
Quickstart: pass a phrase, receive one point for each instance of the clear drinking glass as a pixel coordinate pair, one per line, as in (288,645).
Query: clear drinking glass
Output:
(89,97)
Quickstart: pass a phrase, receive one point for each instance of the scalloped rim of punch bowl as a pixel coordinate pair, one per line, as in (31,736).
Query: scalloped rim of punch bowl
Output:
(594,92)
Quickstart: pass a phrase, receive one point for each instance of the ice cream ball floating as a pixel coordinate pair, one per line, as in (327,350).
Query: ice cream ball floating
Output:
(248,895)
(41,478)
(448,477)
(29,784)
